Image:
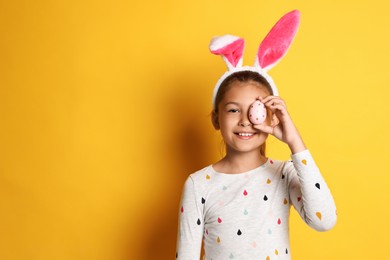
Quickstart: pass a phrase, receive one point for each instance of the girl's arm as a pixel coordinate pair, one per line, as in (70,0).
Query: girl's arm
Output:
(190,230)
(308,191)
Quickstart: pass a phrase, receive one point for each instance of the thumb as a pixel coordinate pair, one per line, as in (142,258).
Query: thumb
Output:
(264,128)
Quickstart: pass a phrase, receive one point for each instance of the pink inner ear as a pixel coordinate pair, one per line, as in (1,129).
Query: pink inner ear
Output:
(232,52)
(278,40)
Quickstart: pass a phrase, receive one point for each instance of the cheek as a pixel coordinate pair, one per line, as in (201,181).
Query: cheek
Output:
(227,122)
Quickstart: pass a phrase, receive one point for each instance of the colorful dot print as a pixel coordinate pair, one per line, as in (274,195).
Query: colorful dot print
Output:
(247,214)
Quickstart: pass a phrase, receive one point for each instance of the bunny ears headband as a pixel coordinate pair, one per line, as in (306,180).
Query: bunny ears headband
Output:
(272,49)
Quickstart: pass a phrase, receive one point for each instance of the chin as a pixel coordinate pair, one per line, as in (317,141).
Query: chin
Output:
(243,149)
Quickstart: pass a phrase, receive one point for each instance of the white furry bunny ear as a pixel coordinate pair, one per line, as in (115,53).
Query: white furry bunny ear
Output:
(277,42)
(231,49)
(272,49)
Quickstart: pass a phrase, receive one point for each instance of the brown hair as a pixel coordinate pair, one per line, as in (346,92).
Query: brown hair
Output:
(241,76)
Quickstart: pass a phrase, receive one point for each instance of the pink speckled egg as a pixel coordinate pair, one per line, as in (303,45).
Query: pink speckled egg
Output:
(257,113)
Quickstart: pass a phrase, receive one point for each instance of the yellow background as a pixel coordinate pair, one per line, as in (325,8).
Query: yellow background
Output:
(104,111)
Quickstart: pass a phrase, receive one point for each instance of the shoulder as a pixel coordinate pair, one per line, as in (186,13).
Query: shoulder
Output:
(280,165)
(283,168)
(202,172)
(299,162)
(199,178)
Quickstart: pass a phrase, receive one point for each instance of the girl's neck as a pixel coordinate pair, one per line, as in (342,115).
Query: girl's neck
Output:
(238,162)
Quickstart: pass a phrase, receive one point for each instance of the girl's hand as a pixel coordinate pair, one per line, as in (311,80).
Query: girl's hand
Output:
(282,126)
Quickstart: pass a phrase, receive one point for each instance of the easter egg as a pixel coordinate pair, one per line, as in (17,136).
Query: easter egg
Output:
(257,113)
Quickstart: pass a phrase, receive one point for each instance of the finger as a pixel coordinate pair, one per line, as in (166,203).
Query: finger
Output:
(278,107)
(279,111)
(273,100)
(270,97)
(273,105)
(261,99)
(264,128)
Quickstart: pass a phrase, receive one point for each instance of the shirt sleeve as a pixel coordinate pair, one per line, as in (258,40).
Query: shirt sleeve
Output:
(309,192)
(191,223)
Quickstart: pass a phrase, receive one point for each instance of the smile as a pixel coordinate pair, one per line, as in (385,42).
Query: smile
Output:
(245,134)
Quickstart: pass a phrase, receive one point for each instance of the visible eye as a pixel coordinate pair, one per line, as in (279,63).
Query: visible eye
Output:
(233,110)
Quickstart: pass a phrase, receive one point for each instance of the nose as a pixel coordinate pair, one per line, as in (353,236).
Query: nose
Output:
(243,124)
(244,121)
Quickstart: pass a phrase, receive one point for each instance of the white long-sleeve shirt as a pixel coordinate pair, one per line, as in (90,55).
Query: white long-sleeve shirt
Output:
(245,215)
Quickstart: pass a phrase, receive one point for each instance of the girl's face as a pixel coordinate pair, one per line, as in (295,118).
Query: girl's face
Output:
(232,118)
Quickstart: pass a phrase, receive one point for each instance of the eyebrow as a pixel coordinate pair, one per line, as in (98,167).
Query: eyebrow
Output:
(232,103)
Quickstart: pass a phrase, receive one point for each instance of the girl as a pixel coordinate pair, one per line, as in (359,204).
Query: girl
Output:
(239,206)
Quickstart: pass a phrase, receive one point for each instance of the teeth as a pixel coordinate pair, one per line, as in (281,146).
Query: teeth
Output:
(245,134)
